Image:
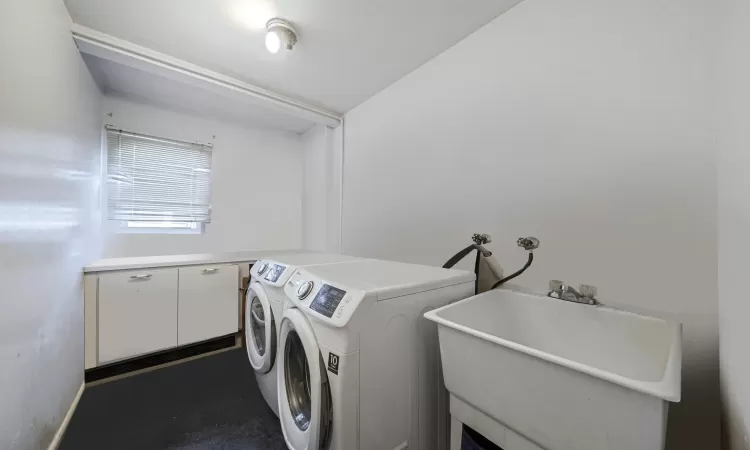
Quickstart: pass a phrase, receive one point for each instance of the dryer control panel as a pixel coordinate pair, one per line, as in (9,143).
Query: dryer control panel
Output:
(271,272)
(327,302)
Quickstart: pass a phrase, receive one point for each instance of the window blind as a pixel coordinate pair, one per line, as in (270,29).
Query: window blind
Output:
(157,180)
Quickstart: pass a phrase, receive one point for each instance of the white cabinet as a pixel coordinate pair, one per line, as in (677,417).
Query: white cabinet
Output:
(130,313)
(137,313)
(208,302)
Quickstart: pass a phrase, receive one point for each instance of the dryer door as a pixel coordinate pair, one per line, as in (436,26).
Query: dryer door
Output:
(304,395)
(260,329)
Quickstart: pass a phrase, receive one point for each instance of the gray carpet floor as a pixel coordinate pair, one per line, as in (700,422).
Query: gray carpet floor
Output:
(209,403)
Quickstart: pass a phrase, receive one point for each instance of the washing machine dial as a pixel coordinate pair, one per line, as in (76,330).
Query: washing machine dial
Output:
(304,289)
(262,267)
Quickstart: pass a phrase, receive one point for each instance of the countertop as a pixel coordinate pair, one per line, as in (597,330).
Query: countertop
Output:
(146,262)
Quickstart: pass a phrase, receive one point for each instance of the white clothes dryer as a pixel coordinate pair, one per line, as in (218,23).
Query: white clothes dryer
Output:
(264,307)
(358,364)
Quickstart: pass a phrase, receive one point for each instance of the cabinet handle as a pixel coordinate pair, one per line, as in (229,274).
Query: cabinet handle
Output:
(209,271)
(145,276)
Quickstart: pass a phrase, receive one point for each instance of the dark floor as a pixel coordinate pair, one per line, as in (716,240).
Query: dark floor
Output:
(209,403)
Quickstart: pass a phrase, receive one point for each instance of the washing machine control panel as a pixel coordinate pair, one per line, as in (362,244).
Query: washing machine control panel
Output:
(325,301)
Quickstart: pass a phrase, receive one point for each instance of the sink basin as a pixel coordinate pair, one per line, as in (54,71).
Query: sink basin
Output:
(561,375)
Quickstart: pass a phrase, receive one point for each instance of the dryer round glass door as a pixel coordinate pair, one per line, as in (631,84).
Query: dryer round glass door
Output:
(260,329)
(258,325)
(304,393)
(297,380)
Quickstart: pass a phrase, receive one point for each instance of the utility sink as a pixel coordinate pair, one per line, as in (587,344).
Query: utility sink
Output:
(560,375)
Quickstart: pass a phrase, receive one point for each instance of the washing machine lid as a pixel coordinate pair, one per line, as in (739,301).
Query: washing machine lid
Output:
(305,409)
(388,279)
(307,259)
(332,293)
(260,329)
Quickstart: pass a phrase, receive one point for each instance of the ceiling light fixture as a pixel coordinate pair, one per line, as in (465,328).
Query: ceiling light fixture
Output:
(280,35)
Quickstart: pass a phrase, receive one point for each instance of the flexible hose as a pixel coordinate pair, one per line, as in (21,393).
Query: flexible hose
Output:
(460,255)
(510,277)
(476,272)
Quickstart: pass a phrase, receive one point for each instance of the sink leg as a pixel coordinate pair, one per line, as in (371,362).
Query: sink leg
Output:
(457,429)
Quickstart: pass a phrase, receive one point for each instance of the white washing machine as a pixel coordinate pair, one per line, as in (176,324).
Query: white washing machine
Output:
(358,364)
(264,307)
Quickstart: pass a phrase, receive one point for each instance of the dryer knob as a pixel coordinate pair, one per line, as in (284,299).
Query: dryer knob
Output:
(262,267)
(304,289)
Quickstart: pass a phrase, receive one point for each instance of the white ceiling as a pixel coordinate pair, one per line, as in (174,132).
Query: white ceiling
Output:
(348,50)
(123,81)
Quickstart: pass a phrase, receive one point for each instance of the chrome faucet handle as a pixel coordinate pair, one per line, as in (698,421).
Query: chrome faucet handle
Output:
(588,291)
(556,285)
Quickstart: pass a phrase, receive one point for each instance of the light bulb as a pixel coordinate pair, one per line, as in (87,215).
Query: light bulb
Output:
(280,34)
(273,42)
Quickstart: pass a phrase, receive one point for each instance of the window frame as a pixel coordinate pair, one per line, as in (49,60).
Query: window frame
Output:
(128,226)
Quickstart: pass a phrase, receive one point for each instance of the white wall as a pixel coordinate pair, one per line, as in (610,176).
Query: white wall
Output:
(322,189)
(734,223)
(49,158)
(256,184)
(586,123)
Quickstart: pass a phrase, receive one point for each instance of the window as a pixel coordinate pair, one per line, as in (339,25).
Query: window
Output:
(157,185)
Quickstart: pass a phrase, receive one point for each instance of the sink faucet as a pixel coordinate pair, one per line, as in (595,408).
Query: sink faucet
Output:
(587,294)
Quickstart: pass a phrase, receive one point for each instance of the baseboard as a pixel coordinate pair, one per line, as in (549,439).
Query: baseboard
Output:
(66,420)
(157,367)
(157,359)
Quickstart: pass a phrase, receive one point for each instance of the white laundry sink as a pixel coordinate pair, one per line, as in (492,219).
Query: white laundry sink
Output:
(561,375)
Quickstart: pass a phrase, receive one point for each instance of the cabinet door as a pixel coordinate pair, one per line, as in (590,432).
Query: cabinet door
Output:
(208,302)
(137,312)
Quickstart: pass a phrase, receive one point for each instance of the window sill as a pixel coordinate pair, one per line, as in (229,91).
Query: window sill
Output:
(124,229)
